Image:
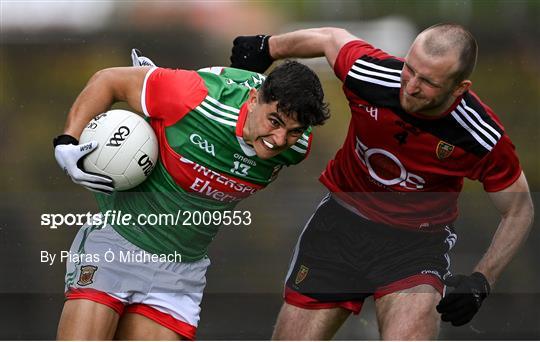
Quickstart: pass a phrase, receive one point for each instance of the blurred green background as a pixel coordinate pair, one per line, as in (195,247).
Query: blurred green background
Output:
(48,50)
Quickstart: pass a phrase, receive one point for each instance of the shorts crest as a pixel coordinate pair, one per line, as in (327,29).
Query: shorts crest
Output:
(87,275)
(301,275)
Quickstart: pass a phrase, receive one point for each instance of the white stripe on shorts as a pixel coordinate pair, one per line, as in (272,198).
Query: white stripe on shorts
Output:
(297,247)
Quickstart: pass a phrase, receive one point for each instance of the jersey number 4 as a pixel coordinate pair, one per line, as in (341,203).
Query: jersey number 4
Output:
(401,137)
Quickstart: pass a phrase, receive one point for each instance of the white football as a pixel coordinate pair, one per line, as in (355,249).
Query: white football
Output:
(127,147)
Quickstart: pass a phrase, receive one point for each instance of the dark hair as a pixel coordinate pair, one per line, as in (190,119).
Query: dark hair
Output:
(453,36)
(298,93)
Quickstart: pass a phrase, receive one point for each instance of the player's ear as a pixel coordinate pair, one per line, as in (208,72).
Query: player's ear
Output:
(252,98)
(461,88)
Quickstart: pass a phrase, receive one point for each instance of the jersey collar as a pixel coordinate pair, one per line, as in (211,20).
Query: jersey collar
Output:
(242,116)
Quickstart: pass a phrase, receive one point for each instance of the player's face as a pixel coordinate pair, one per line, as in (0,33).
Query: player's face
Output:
(427,85)
(268,131)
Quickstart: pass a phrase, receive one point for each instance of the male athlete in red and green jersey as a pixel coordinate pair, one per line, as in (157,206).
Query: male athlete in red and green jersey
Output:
(223,135)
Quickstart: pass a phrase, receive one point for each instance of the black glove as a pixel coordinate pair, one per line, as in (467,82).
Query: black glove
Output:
(460,305)
(251,53)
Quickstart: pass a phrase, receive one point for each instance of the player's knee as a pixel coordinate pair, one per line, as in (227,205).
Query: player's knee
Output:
(423,324)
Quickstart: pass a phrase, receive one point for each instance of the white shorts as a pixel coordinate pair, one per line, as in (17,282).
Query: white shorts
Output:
(104,267)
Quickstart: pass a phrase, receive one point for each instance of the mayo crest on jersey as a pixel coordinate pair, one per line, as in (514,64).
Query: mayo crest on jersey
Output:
(204,162)
(406,170)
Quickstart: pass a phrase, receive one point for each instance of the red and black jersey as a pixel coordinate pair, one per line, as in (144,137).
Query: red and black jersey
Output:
(407,170)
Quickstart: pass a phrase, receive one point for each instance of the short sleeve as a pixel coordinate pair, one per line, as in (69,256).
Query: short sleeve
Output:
(352,51)
(170,94)
(500,168)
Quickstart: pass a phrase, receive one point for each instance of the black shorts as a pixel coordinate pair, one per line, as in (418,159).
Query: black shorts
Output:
(341,259)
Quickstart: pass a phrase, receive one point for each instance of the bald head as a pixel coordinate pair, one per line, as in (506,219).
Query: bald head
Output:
(443,39)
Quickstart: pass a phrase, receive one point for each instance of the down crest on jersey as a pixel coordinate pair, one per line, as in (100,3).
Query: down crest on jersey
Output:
(405,169)
(467,125)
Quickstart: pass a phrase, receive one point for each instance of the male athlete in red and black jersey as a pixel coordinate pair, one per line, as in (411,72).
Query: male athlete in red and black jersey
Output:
(416,131)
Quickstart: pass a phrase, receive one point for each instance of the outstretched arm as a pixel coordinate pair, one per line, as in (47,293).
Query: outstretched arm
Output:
(316,42)
(256,53)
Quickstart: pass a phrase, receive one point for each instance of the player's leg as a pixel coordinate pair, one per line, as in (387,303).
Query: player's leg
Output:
(91,311)
(321,286)
(410,276)
(83,319)
(133,326)
(295,323)
(409,314)
(171,309)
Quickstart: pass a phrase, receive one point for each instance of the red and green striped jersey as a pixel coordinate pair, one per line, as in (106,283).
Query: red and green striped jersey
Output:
(204,164)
